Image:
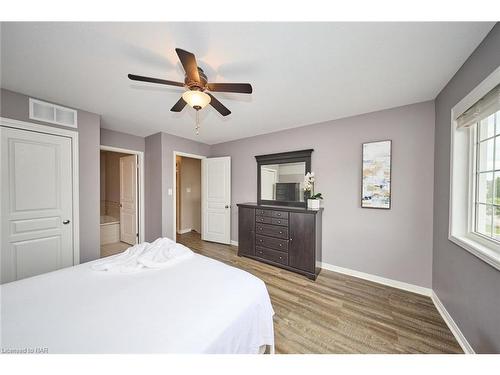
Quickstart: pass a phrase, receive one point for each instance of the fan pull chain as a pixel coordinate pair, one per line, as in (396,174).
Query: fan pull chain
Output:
(197,128)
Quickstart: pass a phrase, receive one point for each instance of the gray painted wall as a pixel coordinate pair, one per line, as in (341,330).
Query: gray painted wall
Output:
(394,243)
(153,187)
(122,140)
(15,106)
(468,287)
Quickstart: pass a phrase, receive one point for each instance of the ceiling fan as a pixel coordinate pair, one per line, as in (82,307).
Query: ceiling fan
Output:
(196,83)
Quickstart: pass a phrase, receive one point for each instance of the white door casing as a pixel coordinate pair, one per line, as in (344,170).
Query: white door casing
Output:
(216,199)
(36,203)
(128,199)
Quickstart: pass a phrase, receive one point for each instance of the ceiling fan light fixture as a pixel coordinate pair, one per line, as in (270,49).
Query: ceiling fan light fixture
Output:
(196,99)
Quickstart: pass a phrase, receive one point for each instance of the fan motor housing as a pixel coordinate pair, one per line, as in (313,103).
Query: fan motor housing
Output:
(193,85)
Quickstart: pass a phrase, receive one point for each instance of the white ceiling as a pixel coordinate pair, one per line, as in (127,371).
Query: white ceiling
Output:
(302,73)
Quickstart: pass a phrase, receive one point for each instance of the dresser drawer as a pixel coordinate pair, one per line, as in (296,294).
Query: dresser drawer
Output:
(272,243)
(280,214)
(271,213)
(271,230)
(272,255)
(264,219)
(262,212)
(278,221)
(271,220)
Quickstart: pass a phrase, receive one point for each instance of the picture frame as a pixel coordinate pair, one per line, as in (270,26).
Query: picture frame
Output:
(376,174)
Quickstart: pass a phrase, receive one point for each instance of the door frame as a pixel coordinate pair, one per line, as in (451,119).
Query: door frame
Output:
(72,134)
(140,180)
(174,189)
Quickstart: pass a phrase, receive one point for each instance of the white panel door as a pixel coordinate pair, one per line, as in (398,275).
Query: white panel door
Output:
(216,199)
(36,203)
(128,199)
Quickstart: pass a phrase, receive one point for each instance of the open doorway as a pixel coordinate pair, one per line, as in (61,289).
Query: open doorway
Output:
(187,195)
(120,200)
(211,207)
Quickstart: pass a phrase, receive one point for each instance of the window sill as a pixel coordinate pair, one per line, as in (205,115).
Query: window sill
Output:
(478,249)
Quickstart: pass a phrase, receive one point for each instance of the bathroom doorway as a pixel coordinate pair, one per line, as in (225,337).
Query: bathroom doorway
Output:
(187,194)
(121,189)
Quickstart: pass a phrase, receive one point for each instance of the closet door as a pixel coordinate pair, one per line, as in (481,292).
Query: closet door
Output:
(36,203)
(301,245)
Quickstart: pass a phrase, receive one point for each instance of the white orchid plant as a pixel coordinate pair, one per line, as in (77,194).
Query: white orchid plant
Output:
(309,186)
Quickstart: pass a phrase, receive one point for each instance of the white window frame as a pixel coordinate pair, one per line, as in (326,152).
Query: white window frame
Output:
(462,169)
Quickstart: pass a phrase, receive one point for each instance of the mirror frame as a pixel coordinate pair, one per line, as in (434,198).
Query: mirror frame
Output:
(281,158)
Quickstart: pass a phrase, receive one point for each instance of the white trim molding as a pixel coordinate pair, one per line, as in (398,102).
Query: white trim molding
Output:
(462,189)
(234,243)
(378,279)
(141,182)
(183,231)
(459,336)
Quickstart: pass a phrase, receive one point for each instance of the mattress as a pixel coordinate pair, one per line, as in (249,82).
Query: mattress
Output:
(199,305)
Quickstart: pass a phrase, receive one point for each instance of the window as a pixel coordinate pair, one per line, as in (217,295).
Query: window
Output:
(487,177)
(475,172)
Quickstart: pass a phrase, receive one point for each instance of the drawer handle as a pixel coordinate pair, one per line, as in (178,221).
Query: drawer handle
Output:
(260,228)
(260,240)
(280,244)
(278,214)
(279,221)
(281,258)
(281,232)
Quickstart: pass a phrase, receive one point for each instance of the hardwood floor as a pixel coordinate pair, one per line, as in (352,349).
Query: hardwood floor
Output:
(339,313)
(113,248)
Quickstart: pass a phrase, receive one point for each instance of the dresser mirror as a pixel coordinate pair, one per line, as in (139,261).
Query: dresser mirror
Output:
(280,178)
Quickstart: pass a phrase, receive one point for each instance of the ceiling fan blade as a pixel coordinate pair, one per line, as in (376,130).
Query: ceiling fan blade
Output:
(179,106)
(221,108)
(243,88)
(188,61)
(155,80)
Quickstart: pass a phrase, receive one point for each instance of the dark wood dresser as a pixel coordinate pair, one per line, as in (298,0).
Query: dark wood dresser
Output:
(287,237)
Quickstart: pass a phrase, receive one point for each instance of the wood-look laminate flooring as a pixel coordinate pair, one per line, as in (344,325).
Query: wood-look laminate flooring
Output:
(339,313)
(113,248)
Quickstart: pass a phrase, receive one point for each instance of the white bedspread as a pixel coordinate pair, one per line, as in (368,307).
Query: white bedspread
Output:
(197,306)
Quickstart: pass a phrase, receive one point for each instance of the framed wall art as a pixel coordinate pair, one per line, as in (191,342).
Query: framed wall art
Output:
(376,175)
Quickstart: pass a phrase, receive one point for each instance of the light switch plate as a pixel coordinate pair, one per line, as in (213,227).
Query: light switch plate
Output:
(169,192)
(188,190)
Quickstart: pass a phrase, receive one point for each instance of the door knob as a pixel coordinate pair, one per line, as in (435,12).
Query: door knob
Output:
(66,222)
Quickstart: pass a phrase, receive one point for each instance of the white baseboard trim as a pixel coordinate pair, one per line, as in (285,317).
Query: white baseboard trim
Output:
(234,243)
(459,336)
(378,279)
(182,231)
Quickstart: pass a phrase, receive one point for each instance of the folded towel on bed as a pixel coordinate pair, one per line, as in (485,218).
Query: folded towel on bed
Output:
(162,252)
(159,254)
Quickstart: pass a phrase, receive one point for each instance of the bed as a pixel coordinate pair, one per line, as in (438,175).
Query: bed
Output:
(199,305)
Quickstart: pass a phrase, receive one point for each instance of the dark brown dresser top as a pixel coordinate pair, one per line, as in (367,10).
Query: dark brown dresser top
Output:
(279,208)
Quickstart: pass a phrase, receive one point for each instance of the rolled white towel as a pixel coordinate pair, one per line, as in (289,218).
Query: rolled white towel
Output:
(161,253)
